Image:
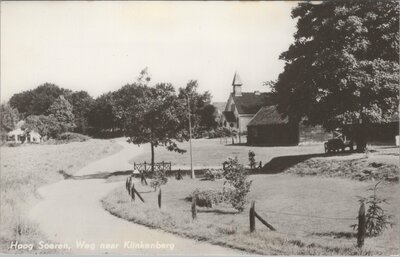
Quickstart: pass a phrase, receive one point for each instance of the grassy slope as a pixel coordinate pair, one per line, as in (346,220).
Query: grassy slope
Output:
(25,168)
(277,197)
(325,197)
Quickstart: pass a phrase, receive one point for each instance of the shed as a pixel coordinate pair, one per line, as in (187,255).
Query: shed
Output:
(268,127)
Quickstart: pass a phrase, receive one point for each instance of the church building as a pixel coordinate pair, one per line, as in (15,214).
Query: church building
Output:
(241,107)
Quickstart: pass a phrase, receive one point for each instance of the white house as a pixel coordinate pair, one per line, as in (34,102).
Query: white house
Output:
(19,135)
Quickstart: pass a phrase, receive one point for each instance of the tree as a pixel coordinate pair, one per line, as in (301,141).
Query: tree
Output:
(81,103)
(9,117)
(208,117)
(61,110)
(46,126)
(343,66)
(101,116)
(154,115)
(38,100)
(197,102)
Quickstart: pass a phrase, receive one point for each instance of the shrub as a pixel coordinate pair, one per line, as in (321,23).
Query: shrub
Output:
(207,198)
(376,218)
(236,186)
(73,137)
(12,144)
(213,174)
(252,159)
(159,179)
(220,132)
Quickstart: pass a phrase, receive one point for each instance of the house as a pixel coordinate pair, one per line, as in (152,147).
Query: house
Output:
(269,128)
(17,135)
(33,137)
(242,106)
(20,135)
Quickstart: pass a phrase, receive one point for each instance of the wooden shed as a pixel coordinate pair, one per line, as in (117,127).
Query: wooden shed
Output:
(268,128)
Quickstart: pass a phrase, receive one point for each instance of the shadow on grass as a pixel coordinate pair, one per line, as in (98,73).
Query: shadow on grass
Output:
(106,175)
(347,235)
(282,163)
(100,175)
(216,211)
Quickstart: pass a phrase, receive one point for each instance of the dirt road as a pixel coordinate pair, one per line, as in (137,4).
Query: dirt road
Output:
(71,214)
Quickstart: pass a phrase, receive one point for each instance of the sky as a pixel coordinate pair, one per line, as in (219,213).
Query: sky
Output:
(101,46)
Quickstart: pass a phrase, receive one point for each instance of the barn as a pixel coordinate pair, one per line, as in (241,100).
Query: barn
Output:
(268,128)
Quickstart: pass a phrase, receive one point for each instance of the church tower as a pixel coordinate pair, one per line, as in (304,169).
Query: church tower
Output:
(237,85)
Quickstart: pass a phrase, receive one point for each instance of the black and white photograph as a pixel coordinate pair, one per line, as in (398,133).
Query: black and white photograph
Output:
(191,128)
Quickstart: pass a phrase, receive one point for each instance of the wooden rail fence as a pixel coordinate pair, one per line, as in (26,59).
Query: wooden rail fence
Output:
(253,215)
(158,166)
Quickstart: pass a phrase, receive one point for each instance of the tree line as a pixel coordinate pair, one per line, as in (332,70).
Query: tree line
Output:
(142,112)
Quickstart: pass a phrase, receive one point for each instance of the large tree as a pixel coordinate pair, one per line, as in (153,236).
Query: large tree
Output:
(152,115)
(344,64)
(61,110)
(101,116)
(37,101)
(82,104)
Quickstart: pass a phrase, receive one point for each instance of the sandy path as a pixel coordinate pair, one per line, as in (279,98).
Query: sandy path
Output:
(71,212)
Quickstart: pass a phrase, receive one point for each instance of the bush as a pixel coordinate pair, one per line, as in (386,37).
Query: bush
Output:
(159,179)
(213,174)
(12,144)
(73,137)
(207,198)
(220,132)
(238,187)
(252,159)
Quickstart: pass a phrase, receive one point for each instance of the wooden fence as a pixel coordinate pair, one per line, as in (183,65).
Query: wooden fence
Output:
(158,166)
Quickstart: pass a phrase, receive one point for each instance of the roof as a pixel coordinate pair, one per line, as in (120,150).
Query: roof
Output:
(268,115)
(220,106)
(250,103)
(229,116)
(236,80)
(16,132)
(20,124)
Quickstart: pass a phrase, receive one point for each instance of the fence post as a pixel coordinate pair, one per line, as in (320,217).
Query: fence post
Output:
(252,216)
(194,210)
(361,226)
(159,198)
(132,191)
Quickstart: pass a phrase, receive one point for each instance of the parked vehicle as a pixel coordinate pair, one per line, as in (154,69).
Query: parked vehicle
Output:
(337,144)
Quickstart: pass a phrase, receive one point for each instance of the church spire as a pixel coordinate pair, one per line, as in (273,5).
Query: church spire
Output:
(237,85)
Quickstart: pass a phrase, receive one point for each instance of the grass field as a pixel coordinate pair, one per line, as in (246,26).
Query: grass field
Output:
(25,168)
(312,214)
(210,152)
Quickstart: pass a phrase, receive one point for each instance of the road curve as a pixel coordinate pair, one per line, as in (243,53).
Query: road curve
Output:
(71,214)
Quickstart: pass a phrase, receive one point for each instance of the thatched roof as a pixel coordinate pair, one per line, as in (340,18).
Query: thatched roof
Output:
(268,115)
